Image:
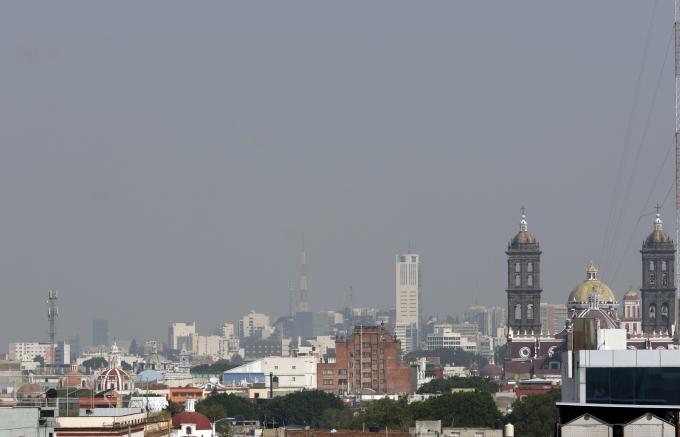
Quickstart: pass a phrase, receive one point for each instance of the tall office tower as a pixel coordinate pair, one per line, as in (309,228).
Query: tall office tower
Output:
(658,288)
(409,281)
(179,330)
(524,281)
(553,317)
(100,332)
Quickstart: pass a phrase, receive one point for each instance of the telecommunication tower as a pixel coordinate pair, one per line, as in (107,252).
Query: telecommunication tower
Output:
(52,314)
(303,304)
(676,32)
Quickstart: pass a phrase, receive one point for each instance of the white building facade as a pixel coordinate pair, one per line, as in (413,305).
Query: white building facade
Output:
(408,296)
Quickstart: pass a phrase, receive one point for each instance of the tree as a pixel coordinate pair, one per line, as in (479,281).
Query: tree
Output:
(385,413)
(466,409)
(451,356)
(535,415)
(215,368)
(445,385)
(302,408)
(95,363)
(232,405)
(173,408)
(39,359)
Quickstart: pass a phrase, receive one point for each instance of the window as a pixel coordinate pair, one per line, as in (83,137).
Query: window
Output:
(188,430)
(342,371)
(530,280)
(651,266)
(327,371)
(530,267)
(518,268)
(652,311)
(518,281)
(652,279)
(664,312)
(664,279)
(530,311)
(327,382)
(518,312)
(479,434)
(663,266)
(293,367)
(414,259)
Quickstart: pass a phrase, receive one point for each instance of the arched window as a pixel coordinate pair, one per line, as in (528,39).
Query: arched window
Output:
(664,279)
(188,430)
(518,312)
(652,279)
(530,280)
(518,281)
(663,266)
(530,267)
(518,268)
(530,311)
(652,312)
(651,266)
(664,312)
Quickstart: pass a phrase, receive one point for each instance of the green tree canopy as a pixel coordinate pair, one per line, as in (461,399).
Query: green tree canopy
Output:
(385,413)
(535,415)
(466,409)
(229,405)
(445,385)
(215,368)
(301,408)
(451,356)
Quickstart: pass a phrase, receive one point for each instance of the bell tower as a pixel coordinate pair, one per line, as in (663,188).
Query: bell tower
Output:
(658,287)
(524,281)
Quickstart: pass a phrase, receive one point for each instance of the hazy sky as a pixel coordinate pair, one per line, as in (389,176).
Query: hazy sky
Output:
(162,160)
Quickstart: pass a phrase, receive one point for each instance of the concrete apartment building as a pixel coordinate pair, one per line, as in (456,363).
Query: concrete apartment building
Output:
(180,329)
(554,316)
(408,295)
(255,325)
(369,360)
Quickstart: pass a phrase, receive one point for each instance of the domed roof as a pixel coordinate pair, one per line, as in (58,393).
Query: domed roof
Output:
(631,295)
(658,235)
(186,417)
(592,289)
(523,236)
(114,373)
(30,390)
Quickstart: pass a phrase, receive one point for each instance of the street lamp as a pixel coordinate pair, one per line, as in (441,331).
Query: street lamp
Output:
(214,425)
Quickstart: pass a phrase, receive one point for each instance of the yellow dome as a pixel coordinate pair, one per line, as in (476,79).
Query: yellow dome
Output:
(584,291)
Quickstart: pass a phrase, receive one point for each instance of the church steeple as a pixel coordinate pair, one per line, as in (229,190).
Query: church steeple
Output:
(524,280)
(658,288)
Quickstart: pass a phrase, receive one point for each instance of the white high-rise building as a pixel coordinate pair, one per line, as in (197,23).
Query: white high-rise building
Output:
(180,329)
(408,280)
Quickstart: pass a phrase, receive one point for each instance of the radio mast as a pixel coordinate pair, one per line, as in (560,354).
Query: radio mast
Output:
(52,314)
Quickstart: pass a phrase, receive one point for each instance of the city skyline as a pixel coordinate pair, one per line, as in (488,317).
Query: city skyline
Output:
(153,183)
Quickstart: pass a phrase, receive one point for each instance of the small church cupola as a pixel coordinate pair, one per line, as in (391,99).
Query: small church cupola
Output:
(591,272)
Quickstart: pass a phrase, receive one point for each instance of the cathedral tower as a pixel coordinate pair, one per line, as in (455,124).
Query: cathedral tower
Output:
(524,281)
(658,288)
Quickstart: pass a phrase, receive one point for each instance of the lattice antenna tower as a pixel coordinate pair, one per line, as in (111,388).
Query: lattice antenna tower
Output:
(676,31)
(304,286)
(52,315)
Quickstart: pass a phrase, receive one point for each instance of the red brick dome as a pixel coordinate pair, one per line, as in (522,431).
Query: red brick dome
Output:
(191,417)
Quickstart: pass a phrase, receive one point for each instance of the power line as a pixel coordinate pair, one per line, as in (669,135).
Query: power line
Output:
(609,234)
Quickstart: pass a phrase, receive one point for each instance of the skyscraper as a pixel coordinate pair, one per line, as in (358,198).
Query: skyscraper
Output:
(100,332)
(408,294)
